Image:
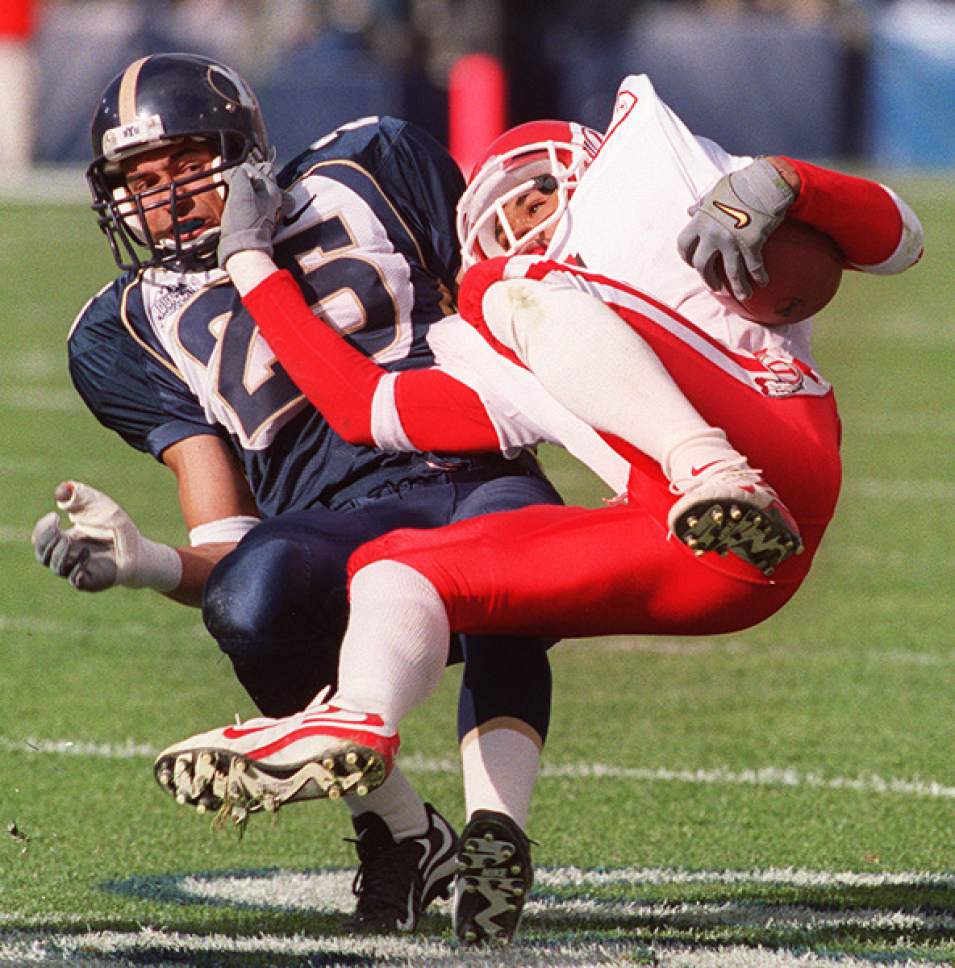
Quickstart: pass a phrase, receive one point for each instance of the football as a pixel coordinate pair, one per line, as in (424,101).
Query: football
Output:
(805,269)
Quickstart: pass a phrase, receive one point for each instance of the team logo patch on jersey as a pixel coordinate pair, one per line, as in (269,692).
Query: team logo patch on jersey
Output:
(171,299)
(785,377)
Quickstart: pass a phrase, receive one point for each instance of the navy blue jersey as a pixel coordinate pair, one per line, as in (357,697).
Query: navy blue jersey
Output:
(161,356)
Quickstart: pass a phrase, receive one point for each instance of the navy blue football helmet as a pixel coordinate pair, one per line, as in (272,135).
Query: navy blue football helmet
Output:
(157,101)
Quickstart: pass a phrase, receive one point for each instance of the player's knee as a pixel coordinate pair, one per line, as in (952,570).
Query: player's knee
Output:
(263,597)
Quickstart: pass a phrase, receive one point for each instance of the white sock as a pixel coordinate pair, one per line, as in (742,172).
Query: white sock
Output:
(396,802)
(699,455)
(590,360)
(396,644)
(500,767)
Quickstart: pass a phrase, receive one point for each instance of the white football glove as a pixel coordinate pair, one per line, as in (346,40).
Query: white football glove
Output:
(732,222)
(103,548)
(253,206)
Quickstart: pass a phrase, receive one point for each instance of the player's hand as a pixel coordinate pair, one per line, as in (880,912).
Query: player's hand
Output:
(103,548)
(253,206)
(731,223)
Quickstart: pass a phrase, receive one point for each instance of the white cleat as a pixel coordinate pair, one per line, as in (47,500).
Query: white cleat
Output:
(732,509)
(262,764)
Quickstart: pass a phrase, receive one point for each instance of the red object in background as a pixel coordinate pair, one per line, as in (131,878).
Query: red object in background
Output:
(16,19)
(477,107)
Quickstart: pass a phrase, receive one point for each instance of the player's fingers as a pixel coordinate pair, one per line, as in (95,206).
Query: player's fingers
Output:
(63,555)
(78,575)
(46,533)
(687,242)
(93,573)
(710,271)
(74,496)
(736,274)
(755,267)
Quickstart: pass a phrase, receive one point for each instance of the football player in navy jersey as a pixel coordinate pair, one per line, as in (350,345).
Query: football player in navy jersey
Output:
(273,499)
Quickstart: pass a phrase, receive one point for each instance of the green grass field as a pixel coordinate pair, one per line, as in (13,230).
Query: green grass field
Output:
(780,797)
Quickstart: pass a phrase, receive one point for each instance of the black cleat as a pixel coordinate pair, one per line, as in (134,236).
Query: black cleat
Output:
(396,881)
(494,877)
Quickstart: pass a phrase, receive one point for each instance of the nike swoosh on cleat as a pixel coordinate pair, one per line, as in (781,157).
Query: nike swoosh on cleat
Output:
(740,217)
(696,471)
(235,732)
(439,855)
(408,923)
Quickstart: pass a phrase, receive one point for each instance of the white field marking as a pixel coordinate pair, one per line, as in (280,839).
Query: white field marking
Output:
(328,892)
(768,776)
(95,467)
(29,624)
(912,329)
(45,184)
(50,399)
(915,492)
(904,422)
(689,646)
(157,947)
(37,364)
(577,877)
(13,535)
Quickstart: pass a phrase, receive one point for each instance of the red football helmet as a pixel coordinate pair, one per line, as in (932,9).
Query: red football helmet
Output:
(548,155)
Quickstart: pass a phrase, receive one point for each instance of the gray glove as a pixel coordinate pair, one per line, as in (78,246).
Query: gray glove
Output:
(732,222)
(253,206)
(104,547)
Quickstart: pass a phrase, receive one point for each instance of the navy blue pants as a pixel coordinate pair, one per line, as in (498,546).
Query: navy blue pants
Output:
(277,605)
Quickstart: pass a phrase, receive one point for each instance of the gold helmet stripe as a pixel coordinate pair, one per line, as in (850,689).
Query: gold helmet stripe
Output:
(127,91)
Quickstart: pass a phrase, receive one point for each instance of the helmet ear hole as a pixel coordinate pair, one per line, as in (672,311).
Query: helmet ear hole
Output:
(549,156)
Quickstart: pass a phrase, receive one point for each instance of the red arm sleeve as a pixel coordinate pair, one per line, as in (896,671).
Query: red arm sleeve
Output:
(436,411)
(860,215)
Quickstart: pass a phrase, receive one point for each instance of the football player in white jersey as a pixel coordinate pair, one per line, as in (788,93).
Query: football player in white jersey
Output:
(616,375)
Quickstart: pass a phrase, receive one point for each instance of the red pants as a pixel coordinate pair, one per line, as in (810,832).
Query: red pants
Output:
(575,572)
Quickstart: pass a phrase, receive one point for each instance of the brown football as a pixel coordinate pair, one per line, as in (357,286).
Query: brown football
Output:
(805,269)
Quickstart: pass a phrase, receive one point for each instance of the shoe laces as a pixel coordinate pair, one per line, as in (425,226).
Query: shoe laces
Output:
(382,880)
(734,469)
(319,701)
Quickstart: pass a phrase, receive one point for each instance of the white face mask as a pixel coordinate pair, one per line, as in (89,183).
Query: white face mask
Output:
(505,177)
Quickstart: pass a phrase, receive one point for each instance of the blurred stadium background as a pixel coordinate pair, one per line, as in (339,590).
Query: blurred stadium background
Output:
(867,81)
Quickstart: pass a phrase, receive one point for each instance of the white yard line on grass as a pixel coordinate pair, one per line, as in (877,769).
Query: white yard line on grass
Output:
(908,422)
(767,776)
(56,630)
(157,947)
(47,399)
(915,491)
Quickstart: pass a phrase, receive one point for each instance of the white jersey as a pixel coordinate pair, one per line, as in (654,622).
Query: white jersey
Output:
(626,214)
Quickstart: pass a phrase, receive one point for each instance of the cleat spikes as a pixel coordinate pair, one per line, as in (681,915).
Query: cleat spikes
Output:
(494,877)
(351,758)
(329,763)
(361,790)
(735,513)
(692,522)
